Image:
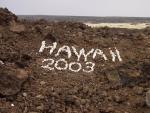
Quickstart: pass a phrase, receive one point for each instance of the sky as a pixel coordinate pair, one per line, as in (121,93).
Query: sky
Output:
(129,8)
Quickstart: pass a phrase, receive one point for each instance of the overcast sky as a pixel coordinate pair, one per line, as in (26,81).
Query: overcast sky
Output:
(132,8)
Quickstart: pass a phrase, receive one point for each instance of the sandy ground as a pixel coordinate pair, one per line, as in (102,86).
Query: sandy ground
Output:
(120,25)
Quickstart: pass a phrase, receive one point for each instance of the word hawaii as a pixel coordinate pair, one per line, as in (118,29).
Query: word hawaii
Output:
(74,66)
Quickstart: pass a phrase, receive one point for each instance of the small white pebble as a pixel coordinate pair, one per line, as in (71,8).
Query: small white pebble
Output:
(42,83)
(24,94)
(1,62)
(148,98)
(12,105)
(40,96)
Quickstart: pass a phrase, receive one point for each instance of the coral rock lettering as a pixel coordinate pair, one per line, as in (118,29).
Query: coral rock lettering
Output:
(75,66)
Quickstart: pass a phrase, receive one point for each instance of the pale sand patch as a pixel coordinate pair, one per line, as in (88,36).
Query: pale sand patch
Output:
(120,25)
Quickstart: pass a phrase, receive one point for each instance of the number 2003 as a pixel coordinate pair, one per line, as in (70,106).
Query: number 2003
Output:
(62,64)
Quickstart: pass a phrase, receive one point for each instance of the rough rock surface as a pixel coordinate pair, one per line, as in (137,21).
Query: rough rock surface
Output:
(11,80)
(6,16)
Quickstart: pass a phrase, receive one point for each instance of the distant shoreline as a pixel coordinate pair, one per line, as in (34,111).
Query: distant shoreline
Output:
(120,25)
(86,19)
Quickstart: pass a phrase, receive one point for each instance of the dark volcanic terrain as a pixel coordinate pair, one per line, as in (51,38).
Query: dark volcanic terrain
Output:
(113,87)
